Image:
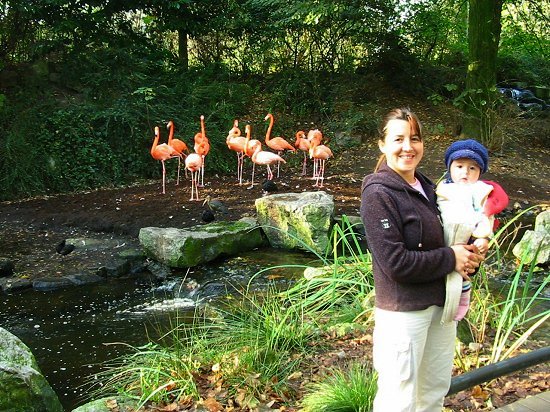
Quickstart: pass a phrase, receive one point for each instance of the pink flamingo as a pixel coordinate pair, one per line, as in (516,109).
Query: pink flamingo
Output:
(319,154)
(162,152)
(236,143)
(277,144)
(193,163)
(249,149)
(304,145)
(178,145)
(202,147)
(314,137)
(234,131)
(262,157)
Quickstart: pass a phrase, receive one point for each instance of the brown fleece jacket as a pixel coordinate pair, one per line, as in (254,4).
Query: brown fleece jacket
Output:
(405,238)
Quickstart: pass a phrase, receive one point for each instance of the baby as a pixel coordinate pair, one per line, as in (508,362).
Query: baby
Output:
(469,202)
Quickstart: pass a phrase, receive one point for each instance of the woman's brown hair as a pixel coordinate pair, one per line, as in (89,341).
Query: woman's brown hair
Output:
(398,114)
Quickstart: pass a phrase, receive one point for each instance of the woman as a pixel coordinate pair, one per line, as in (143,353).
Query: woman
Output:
(413,351)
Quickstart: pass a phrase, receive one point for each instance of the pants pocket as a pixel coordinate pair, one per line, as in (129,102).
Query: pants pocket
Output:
(404,359)
(393,359)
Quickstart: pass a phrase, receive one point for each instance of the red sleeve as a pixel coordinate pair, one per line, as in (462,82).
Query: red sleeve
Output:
(496,201)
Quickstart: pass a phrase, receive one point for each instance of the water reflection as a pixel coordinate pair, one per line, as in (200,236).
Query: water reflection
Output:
(70,331)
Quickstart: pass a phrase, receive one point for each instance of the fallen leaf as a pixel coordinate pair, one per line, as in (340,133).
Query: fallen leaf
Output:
(295,375)
(212,405)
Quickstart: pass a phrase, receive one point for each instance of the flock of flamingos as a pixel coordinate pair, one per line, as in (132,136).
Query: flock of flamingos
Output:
(244,146)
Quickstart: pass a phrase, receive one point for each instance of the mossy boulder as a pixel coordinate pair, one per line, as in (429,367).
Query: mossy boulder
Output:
(297,220)
(200,244)
(109,404)
(535,244)
(22,385)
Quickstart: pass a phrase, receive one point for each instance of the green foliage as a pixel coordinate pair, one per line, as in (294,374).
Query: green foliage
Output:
(116,73)
(150,373)
(254,343)
(342,290)
(500,322)
(350,390)
(517,321)
(526,69)
(483,108)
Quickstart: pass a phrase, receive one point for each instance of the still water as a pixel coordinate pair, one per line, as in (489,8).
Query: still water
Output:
(72,331)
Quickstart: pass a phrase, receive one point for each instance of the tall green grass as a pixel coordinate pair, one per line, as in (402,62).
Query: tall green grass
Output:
(251,344)
(344,281)
(500,322)
(349,390)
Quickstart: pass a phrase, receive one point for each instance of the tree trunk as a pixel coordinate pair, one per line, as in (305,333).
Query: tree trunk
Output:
(483,39)
(182,49)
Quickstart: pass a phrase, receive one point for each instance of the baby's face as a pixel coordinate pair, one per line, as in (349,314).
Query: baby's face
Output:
(464,171)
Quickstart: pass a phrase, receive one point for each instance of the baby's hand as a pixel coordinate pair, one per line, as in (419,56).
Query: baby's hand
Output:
(482,245)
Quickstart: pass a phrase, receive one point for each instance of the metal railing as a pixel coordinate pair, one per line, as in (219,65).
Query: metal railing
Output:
(495,370)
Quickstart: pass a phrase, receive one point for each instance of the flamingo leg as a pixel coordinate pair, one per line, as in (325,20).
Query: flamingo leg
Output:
(194,185)
(197,186)
(315,169)
(163,178)
(322,172)
(278,166)
(240,163)
(179,166)
(202,172)
(269,173)
(304,170)
(238,168)
(253,168)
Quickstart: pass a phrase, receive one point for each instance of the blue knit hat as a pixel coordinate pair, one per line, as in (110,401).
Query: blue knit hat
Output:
(469,149)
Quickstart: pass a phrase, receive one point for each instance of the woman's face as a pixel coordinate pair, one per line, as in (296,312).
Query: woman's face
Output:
(403,151)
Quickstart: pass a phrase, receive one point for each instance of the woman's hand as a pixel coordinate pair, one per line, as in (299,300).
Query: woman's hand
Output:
(467,258)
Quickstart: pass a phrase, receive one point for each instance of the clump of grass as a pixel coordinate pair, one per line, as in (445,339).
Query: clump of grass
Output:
(516,321)
(350,390)
(253,344)
(501,322)
(250,347)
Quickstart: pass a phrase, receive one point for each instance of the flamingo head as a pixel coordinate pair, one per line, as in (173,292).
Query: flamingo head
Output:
(202,117)
(299,135)
(268,116)
(170,124)
(157,131)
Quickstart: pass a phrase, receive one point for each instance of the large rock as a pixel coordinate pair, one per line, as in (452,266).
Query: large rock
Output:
(109,404)
(297,220)
(22,385)
(535,242)
(200,244)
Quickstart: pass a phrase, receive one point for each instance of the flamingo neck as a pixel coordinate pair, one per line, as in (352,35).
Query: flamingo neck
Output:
(268,133)
(255,154)
(155,142)
(171,133)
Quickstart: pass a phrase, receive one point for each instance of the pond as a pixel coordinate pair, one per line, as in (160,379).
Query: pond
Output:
(71,331)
